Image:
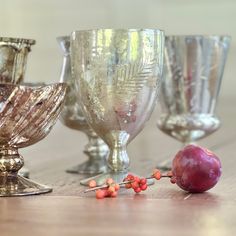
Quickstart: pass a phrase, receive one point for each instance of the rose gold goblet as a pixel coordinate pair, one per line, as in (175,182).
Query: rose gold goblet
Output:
(27,115)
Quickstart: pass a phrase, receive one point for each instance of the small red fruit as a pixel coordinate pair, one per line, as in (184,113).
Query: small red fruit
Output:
(128,186)
(117,187)
(157,174)
(136,179)
(143,181)
(100,194)
(137,190)
(143,187)
(109,181)
(114,194)
(129,177)
(92,183)
(134,185)
(111,189)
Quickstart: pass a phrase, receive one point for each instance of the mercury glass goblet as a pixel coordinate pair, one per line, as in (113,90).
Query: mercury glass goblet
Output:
(13,58)
(26,116)
(193,70)
(116,73)
(72,117)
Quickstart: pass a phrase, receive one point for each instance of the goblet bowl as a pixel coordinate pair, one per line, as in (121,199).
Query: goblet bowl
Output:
(192,73)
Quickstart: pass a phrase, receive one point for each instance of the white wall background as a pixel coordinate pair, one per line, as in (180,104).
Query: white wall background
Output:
(45,20)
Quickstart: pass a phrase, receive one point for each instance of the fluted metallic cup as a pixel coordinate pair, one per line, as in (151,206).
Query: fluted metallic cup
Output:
(13,60)
(192,74)
(27,114)
(72,117)
(116,73)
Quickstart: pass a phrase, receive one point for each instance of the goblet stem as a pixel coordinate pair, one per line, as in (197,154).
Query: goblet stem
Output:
(12,184)
(97,151)
(118,160)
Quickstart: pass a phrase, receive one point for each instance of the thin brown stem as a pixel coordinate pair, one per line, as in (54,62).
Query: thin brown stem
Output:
(105,186)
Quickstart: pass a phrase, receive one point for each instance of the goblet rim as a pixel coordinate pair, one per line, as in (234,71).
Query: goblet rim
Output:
(36,85)
(199,36)
(17,40)
(116,29)
(63,37)
(64,42)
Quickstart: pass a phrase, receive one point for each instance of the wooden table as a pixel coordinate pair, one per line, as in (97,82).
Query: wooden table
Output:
(163,209)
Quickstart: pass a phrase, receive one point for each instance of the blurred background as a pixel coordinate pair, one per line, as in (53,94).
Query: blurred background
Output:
(45,20)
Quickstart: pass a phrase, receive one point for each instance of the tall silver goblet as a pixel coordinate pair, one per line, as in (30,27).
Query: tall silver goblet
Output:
(116,73)
(13,59)
(72,117)
(193,70)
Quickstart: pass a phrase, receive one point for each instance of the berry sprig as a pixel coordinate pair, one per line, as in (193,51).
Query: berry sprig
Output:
(110,189)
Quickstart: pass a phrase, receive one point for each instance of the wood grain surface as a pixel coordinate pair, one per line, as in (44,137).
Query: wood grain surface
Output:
(163,209)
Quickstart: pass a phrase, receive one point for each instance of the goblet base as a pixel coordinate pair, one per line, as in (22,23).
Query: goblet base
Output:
(118,177)
(24,172)
(89,167)
(16,185)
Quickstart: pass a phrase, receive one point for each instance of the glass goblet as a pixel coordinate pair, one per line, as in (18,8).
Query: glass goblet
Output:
(116,74)
(193,70)
(72,117)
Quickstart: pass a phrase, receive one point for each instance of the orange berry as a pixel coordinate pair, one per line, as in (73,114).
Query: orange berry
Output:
(143,187)
(128,186)
(137,190)
(129,176)
(117,187)
(157,174)
(106,193)
(134,185)
(109,181)
(92,183)
(100,194)
(111,189)
(114,194)
(143,181)
(136,179)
